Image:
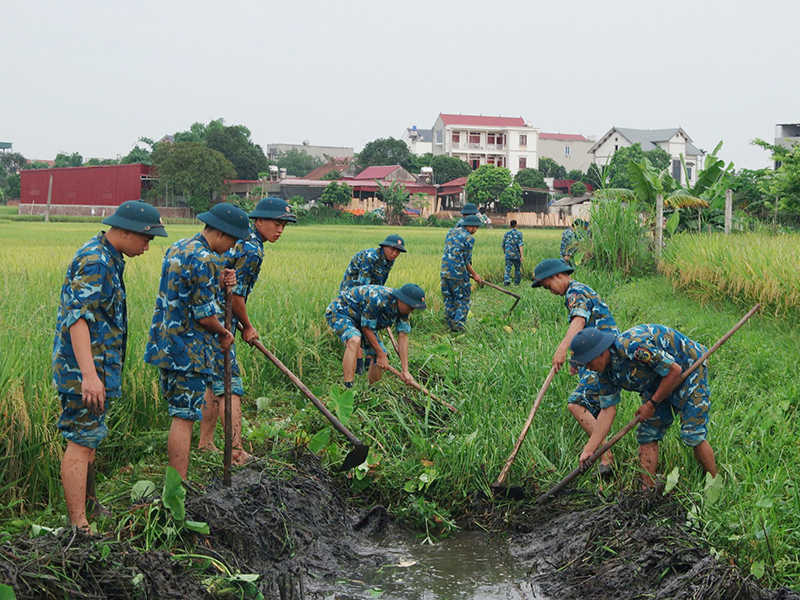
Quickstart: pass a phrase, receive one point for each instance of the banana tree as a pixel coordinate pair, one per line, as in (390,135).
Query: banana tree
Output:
(711,182)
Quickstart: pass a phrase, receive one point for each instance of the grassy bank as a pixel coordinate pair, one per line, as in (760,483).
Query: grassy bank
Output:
(425,463)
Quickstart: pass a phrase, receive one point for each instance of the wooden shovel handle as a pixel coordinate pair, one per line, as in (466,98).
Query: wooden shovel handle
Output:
(422,389)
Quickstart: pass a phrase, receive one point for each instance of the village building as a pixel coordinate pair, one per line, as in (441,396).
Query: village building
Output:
(569,150)
(419,141)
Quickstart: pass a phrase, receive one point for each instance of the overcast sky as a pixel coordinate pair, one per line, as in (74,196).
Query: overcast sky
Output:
(93,77)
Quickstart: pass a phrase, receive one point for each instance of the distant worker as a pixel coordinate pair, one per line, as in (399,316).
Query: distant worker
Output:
(456,271)
(268,221)
(572,237)
(360,312)
(372,267)
(585,309)
(187,331)
(90,343)
(649,359)
(468,209)
(512,246)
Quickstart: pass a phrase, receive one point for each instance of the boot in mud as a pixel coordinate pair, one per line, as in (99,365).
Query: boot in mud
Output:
(93,508)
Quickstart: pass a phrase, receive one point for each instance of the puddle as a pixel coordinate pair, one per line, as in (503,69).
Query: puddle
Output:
(464,566)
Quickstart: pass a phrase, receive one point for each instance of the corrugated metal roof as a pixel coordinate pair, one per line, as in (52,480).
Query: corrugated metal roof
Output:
(569,137)
(377,172)
(425,135)
(480,120)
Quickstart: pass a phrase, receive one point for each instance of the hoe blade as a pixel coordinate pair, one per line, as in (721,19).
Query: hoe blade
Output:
(354,458)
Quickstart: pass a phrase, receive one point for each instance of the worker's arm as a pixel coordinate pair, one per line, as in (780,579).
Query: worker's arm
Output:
(560,356)
(93,392)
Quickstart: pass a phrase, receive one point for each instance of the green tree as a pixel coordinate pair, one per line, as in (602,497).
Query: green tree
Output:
(234,142)
(336,194)
(297,163)
(487,183)
(748,190)
(784,183)
(594,176)
(394,196)
(511,197)
(68,160)
(446,168)
(577,189)
(331,175)
(12,187)
(530,178)
(618,167)
(197,132)
(550,168)
(191,169)
(94,162)
(575,175)
(386,151)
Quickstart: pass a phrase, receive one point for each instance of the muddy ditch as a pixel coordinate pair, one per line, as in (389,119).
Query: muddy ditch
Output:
(304,540)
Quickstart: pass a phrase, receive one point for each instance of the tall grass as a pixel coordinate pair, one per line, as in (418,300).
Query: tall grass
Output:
(426,463)
(620,239)
(746,269)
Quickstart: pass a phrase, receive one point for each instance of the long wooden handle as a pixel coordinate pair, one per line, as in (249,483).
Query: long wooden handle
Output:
(511,457)
(226,458)
(505,291)
(632,423)
(422,389)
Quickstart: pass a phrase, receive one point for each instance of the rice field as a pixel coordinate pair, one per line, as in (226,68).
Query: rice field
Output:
(425,464)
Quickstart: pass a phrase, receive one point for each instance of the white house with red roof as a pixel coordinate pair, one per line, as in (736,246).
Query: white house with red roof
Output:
(570,150)
(509,142)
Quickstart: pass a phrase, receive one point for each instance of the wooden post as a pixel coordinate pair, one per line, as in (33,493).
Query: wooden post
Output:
(728,209)
(659,225)
(49,198)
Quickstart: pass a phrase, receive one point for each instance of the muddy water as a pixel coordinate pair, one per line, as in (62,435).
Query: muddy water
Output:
(466,565)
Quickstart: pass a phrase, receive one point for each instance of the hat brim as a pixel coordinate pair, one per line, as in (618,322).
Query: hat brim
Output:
(274,216)
(415,304)
(395,246)
(226,228)
(537,281)
(606,341)
(156,229)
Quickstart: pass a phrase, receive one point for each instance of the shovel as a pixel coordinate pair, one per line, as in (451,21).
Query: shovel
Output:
(227,451)
(633,422)
(505,291)
(359,452)
(498,487)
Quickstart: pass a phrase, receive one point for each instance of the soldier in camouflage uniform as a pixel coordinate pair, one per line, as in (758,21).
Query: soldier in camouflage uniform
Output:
(268,221)
(649,359)
(187,333)
(90,343)
(585,309)
(512,246)
(456,270)
(572,237)
(361,312)
(468,209)
(371,267)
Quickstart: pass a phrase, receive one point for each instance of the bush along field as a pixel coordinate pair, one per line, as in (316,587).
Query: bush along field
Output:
(426,464)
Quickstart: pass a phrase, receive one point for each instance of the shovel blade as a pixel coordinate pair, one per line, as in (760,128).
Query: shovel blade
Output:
(354,458)
(513,492)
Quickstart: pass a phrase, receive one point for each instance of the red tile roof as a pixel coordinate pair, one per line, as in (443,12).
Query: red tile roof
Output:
(459,181)
(482,121)
(377,172)
(570,137)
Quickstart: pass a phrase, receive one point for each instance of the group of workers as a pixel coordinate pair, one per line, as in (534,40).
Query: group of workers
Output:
(188,339)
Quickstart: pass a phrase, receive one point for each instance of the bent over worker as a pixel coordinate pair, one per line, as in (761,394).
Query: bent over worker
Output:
(649,359)
(90,343)
(360,312)
(267,222)
(372,266)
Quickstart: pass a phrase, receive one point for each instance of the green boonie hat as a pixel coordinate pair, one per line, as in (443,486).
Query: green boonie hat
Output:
(549,267)
(470,221)
(274,209)
(580,223)
(589,343)
(469,209)
(394,241)
(411,294)
(137,216)
(227,218)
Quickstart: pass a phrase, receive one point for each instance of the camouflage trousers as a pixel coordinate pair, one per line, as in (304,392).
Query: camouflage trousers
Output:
(456,293)
(517,264)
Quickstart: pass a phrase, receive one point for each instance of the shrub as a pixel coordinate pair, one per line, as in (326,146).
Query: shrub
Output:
(619,239)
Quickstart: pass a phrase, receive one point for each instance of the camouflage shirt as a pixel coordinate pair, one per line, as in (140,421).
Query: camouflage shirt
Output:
(512,240)
(93,290)
(457,254)
(371,306)
(640,357)
(368,267)
(189,291)
(245,258)
(583,301)
(569,243)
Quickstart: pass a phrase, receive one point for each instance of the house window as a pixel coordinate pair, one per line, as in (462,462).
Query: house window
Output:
(501,161)
(456,138)
(567,150)
(689,171)
(474,139)
(676,170)
(475,162)
(523,162)
(490,160)
(501,140)
(523,140)
(490,138)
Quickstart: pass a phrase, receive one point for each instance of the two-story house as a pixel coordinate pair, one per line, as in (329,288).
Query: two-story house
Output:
(418,140)
(570,150)
(675,141)
(501,141)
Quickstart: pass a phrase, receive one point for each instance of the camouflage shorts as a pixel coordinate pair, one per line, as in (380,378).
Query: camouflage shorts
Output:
(218,385)
(692,401)
(185,392)
(78,424)
(587,393)
(345,328)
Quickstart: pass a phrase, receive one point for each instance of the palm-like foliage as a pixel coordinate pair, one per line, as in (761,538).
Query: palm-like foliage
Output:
(649,183)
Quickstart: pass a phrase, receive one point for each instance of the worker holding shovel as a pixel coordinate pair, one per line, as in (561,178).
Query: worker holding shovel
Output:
(372,267)
(512,248)
(89,346)
(649,359)
(585,309)
(364,310)
(186,329)
(456,271)
(267,222)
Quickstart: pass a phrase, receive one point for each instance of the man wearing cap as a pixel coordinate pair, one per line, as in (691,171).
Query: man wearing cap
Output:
(186,331)
(572,237)
(90,343)
(456,270)
(268,220)
(364,310)
(512,247)
(649,359)
(585,309)
(468,209)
